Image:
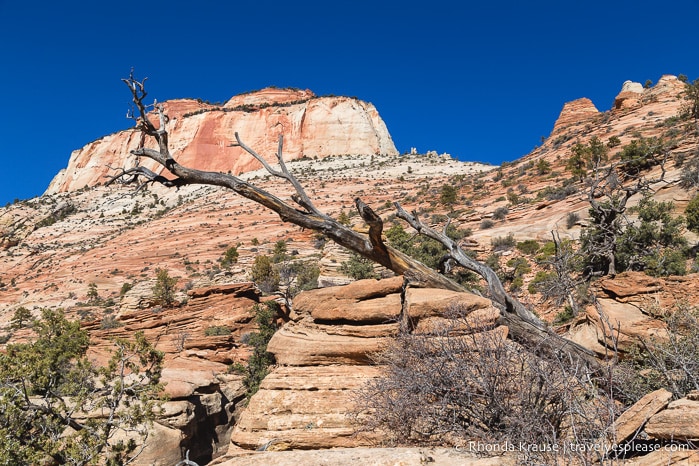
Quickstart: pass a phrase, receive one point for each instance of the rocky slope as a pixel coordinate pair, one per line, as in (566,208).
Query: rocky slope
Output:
(53,247)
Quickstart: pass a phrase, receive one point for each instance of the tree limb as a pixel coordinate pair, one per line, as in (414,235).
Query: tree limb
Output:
(524,325)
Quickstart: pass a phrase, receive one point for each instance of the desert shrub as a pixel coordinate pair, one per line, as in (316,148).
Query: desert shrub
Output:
(543,167)
(529,246)
(426,250)
(217,330)
(21,318)
(125,288)
(501,243)
(358,267)
(265,276)
(448,195)
(229,257)
(671,363)
(655,244)
(692,214)
(456,233)
(257,366)
(557,193)
(613,141)
(486,224)
(571,219)
(164,288)
(458,382)
(519,266)
(640,154)
(48,383)
(279,253)
(500,213)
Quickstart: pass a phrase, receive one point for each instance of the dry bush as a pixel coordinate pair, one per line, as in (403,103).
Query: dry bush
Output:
(671,363)
(462,381)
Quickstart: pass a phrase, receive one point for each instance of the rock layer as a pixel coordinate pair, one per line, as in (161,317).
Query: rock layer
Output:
(325,355)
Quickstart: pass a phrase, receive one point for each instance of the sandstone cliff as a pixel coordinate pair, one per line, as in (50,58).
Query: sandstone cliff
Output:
(52,247)
(202,135)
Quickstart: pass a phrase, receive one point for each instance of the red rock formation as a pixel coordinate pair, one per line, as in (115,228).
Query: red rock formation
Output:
(202,135)
(573,113)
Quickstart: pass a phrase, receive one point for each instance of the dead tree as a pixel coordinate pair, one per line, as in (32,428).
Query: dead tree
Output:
(608,197)
(524,326)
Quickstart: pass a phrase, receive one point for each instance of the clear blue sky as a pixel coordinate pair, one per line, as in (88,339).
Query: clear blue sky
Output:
(480,80)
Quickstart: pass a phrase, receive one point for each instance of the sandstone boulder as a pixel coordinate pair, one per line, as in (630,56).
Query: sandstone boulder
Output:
(680,422)
(632,420)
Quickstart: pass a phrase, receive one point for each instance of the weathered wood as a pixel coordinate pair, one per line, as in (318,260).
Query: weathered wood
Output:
(524,326)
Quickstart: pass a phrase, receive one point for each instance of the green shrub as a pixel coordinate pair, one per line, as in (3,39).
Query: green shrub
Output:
(528,247)
(230,257)
(257,366)
(500,213)
(448,195)
(265,276)
(358,267)
(217,330)
(572,219)
(164,288)
(500,243)
(487,224)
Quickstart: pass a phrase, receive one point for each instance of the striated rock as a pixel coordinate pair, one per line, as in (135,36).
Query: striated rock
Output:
(368,301)
(629,97)
(624,321)
(573,113)
(425,302)
(301,345)
(680,422)
(303,408)
(632,420)
(629,284)
(325,354)
(202,135)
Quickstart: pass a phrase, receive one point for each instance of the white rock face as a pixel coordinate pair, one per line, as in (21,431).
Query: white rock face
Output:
(202,135)
(630,86)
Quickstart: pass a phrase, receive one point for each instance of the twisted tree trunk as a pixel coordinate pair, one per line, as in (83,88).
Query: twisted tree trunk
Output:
(524,326)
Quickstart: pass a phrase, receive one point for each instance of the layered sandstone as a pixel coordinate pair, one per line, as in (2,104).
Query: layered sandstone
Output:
(202,135)
(573,113)
(324,356)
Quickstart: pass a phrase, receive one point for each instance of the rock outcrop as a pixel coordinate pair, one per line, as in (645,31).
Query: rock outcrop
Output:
(573,113)
(629,308)
(325,354)
(202,135)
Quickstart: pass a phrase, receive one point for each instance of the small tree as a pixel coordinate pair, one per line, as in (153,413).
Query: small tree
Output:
(259,361)
(358,267)
(49,392)
(279,254)
(655,243)
(93,296)
(164,288)
(264,274)
(230,257)
(20,318)
(447,195)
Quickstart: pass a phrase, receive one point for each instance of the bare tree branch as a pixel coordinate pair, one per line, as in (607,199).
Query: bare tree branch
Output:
(524,325)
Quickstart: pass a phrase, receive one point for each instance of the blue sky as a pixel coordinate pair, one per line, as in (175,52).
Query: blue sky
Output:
(482,81)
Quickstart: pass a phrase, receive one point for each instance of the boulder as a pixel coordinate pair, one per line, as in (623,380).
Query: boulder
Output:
(303,408)
(631,421)
(680,422)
